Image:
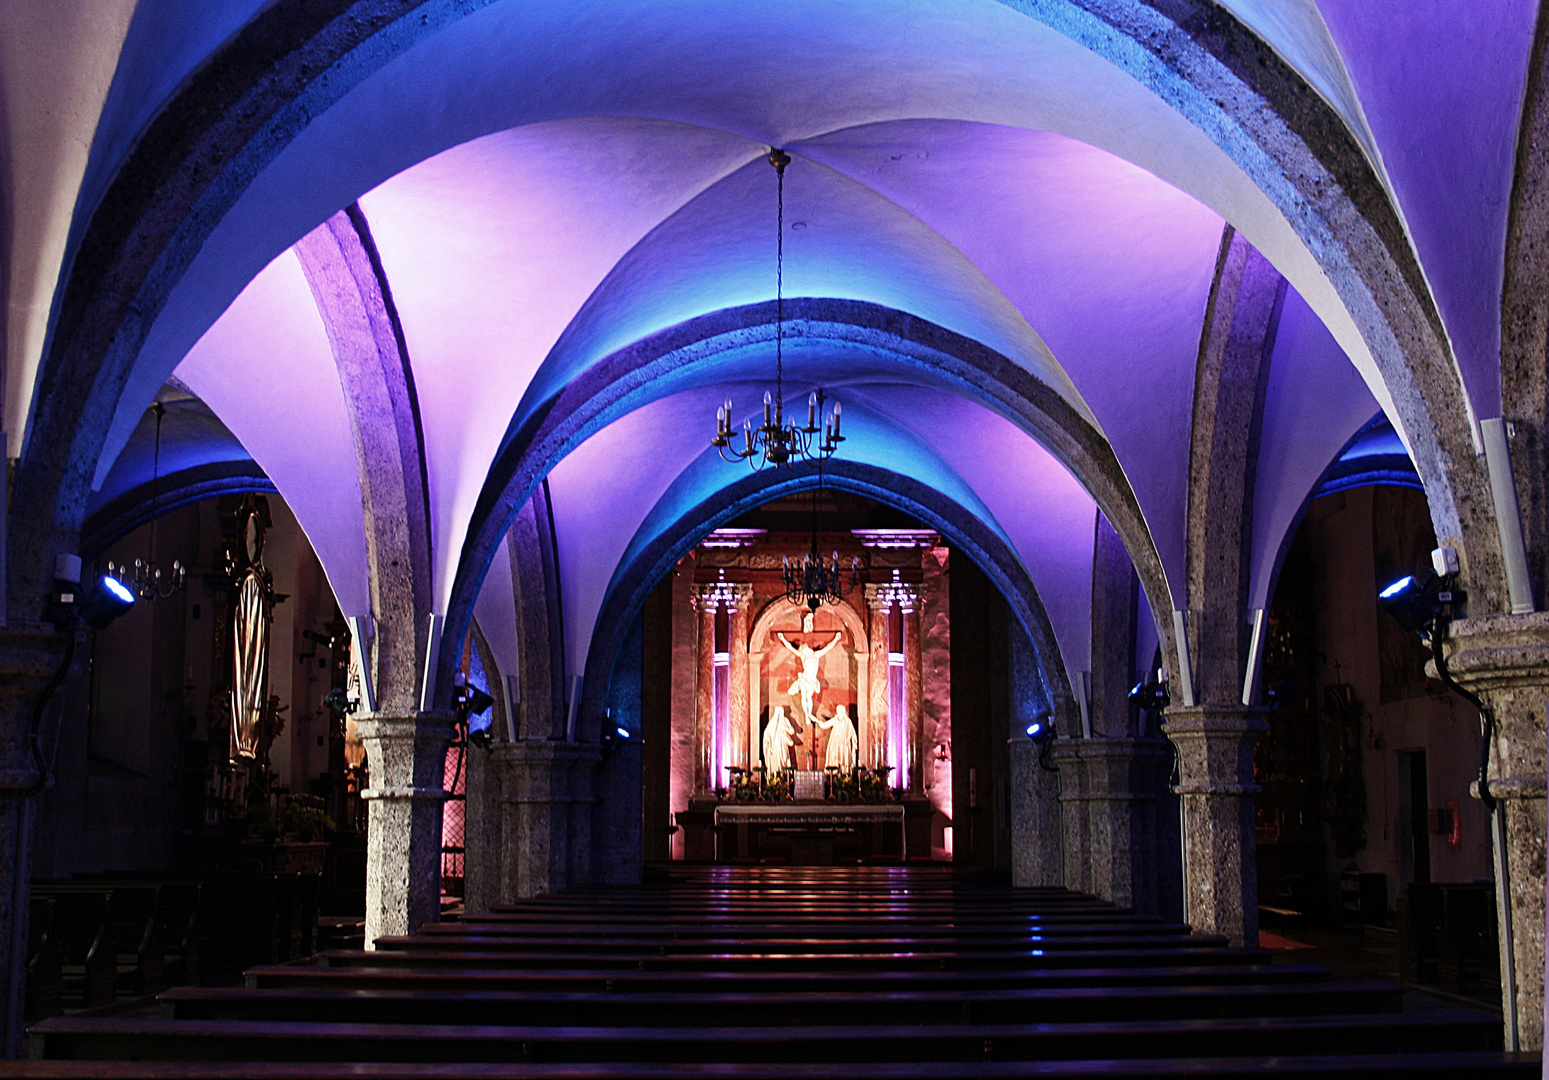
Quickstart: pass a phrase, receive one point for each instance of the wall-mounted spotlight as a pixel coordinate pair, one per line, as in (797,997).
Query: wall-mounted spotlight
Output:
(1040,728)
(107,600)
(1415,602)
(1151,697)
(612,740)
(470,702)
(338,702)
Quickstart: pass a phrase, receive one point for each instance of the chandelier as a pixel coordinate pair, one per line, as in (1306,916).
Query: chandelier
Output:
(146,578)
(811,582)
(777,441)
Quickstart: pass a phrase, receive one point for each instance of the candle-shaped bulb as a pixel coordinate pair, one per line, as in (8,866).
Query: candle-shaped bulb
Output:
(768,407)
(837,410)
(747,435)
(812,410)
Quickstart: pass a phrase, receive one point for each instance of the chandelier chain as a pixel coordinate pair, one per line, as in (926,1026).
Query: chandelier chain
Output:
(779,279)
(777,441)
(147,578)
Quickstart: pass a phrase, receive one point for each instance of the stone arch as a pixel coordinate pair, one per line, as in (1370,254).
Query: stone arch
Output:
(119,517)
(634,581)
(657,365)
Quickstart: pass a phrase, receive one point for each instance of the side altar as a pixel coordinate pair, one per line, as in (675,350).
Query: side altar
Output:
(811,736)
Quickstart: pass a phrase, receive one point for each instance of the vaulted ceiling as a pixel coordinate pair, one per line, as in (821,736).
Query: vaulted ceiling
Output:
(549,185)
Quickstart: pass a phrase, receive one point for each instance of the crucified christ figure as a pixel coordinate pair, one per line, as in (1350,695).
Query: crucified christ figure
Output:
(806,684)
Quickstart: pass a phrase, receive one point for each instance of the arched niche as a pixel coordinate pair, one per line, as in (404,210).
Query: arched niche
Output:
(759,645)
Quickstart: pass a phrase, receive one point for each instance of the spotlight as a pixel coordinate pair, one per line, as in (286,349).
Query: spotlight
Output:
(1151,696)
(1040,729)
(471,701)
(1414,602)
(479,733)
(612,740)
(108,599)
(337,701)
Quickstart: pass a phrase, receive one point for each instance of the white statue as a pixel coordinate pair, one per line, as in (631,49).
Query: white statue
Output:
(779,737)
(806,685)
(843,743)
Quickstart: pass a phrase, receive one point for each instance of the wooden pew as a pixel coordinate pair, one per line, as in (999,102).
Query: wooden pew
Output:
(284,976)
(795,973)
(1441,1066)
(78,1038)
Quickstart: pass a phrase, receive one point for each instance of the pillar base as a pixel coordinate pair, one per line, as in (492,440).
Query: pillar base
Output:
(405,756)
(546,797)
(1505,660)
(1215,766)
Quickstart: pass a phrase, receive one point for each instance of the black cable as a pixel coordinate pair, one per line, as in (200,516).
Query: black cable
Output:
(1043,756)
(33,741)
(1439,657)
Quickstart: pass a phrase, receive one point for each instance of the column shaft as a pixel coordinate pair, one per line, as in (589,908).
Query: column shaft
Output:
(405,756)
(28,658)
(1505,660)
(1109,796)
(546,799)
(1215,750)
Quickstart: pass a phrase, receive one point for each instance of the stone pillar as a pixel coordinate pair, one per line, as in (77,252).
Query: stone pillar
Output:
(704,697)
(405,756)
(29,656)
(1035,819)
(1038,842)
(740,727)
(874,735)
(1505,660)
(916,751)
(546,800)
(1215,752)
(1108,803)
(1110,780)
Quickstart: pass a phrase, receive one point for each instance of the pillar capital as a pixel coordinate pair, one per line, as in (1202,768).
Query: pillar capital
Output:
(1104,768)
(403,755)
(1505,660)
(1215,747)
(529,753)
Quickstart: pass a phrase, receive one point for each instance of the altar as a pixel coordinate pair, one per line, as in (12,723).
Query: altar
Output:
(810,834)
(799,732)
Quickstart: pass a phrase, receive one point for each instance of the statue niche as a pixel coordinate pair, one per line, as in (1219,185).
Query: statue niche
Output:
(805,671)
